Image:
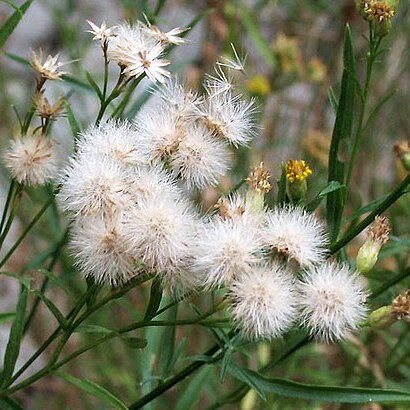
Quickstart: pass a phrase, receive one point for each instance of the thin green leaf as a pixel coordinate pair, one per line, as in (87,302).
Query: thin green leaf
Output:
(154,299)
(72,121)
(94,85)
(53,308)
(168,344)
(26,282)
(16,333)
(76,82)
(341,131)
(247,377)
(94,389)
(281,199)
(11,23)
(17,59)
(335,394)
(56,280)
(330,187)
(7,317)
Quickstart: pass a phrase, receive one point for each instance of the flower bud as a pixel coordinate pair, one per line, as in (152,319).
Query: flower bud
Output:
(380,318)
(402,151)
(259,185)
(401,306)
(377,236)
(379,13)
(297,171)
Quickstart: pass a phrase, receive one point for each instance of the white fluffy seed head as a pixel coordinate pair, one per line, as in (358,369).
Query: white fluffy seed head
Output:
(160,232)
(94,185)
(332,301)
(116,140)
(100,250)
(31,160)
(230,118)
(160,131)
(149,183)
(263,302)
(297,234)
(225,249)
(200,159)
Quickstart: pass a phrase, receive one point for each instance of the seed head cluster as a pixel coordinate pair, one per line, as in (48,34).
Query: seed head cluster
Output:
(128,193)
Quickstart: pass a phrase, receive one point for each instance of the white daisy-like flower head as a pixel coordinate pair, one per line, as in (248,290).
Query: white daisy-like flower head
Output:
(116,140)
(102,33)
(226,249)
(160,232)
(31,160)
(200,159)
(220,83)
(230,118)
(48,69)
(138,53)
(100,250)
(297,234)
(332,301)
(264,302)
(237,63)
(94,185)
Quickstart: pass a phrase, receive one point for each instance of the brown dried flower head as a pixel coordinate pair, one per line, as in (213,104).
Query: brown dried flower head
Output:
(45,109)
(48,69)
(378,11)
(258,179)
(380,229)
(401,306)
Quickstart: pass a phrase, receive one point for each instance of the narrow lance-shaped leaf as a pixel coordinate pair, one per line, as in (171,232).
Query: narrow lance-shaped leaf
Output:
(16,333)
(11,23)
(341,131)
(335,394)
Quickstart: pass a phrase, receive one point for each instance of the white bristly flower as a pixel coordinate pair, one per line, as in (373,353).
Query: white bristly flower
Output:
(230,118)
(160,233)
(332,301)
(100,250)
(160,132)
(93,184)
(102,33)
(263,302)
(116,140)
(237,63)
(138,53)
(200,160)
(169,37)
(31,160)
(179,100)
(295,233)
(226,249)
(48,69)
(218,84)
(149,183)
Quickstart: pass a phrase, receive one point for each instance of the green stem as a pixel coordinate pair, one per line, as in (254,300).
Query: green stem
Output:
(7,204)
(390,200)
(16,203)
(121,106)
(25,232)
(374,44)
(46,280)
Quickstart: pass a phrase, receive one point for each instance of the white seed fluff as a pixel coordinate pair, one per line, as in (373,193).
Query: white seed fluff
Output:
(297,234)
(160,232)
(100,250)
(226,249)
(94,184)
(31,160)
(331,300)
(200,159)
(230,118)
(263,302)
(116,140)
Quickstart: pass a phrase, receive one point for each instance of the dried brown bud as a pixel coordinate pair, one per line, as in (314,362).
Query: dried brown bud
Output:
(258,179)
(380,229)
(226,211)
(401,306)
(45,109)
